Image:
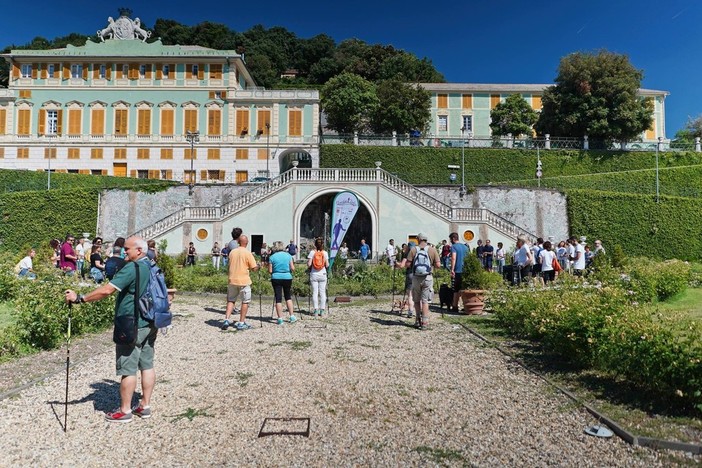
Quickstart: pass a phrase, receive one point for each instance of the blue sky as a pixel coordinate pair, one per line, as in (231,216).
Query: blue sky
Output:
(477,41)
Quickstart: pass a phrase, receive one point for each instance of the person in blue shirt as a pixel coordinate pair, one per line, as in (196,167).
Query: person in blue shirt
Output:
(458,254)
(364,250)
(281,267)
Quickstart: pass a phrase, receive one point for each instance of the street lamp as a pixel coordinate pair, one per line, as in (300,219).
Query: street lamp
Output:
(268,150)
(462,190)
(192,137)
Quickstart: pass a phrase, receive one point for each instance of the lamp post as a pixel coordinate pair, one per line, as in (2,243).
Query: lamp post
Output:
(268,149)
(462,190)
(192,138)
(539,170)
(658,145)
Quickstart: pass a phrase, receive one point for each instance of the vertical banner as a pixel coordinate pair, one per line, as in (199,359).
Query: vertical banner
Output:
(344,208)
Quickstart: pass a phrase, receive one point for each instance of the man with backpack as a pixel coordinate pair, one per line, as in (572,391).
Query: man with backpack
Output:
(291,249)
(129,357)
(423,259)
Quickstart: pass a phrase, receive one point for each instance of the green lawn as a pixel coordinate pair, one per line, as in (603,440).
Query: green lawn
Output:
(689,302)
(5,317)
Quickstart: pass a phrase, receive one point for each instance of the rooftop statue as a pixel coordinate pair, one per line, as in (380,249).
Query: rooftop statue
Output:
(124,28)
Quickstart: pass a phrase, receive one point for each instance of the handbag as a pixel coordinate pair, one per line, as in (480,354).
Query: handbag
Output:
(126,330)
(556,265)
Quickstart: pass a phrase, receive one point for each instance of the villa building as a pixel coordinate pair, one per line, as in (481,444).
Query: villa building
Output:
(122,106)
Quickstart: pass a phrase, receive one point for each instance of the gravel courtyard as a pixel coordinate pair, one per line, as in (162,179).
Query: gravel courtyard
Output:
(377,392)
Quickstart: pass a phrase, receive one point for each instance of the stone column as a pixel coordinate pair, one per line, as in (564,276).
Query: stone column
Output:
(698,147)
(394,138)
(547,143)
(510,140)
(586,143)
(355,138)
(378,175)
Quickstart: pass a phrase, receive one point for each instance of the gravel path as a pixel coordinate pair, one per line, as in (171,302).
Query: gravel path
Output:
(378,392)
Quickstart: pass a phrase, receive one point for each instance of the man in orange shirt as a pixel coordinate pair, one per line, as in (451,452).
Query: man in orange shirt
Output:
(241,262)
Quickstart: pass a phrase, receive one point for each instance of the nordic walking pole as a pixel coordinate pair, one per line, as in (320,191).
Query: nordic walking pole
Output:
(260,299)
(68,365)
(392,309)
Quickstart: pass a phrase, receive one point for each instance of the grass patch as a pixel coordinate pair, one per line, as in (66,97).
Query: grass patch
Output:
(243,378)
(442,456)
(638,412)
(688,302)
(294,345)
(6,317)
(191,414)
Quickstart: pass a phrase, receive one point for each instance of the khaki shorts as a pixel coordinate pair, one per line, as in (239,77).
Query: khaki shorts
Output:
(422,289)
(140,356)
(241,292)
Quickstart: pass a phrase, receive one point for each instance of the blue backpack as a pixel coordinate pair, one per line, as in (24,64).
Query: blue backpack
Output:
(153,303)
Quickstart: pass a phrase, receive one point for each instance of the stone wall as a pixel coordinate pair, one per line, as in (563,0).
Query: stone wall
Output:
(542,212)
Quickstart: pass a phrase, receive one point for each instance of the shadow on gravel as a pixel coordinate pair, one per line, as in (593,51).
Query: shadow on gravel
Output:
(216,311)
(385,312)
(396,323)
(105,397)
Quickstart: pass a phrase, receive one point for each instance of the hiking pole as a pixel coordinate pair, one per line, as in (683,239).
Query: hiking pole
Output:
(68,364)
(260,299)
(392,309)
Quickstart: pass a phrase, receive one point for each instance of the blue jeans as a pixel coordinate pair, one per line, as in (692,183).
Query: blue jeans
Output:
(25,273)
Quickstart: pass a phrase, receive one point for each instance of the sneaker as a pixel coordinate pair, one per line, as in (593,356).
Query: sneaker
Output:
(454,309)
(280,321)
(410,315)
(243,326)
(315,313)
(293,319)
(143,413)
(225,325)
(321,312)
(118,416)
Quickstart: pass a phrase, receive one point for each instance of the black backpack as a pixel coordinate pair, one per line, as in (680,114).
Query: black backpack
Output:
(113,265)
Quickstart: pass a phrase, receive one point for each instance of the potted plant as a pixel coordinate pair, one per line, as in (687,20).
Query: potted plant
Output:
(475,281)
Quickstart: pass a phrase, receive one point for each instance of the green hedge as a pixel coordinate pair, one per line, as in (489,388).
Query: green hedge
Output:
(669,229)
(20,181)
(426,165)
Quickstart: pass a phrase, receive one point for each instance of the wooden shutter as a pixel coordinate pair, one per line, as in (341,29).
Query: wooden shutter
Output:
(96,71)
(188,71)
(494,100)
(41,126)
(23,121)
(74,121)
(216,71)
(467,101)
(85,71)
(143,153)
(34,70)
(242,176)
(121,153)
(223,94)
(144,122)
(74,153)
(133,71)
(242,121)
(213,153)
(442,101)
(214,122)
(83,171)
(120,121)
(97,124)
(167,125)
(187,153)
(262,153)
(44,72)
(96,153)
(264,116)
(3,120)
(159,72)
(59,122)
(15,70)
(536,102)
(190,120)
(201,72)
(203,174)
(211,95)
(295,123)
(132,173)
(66,71)
(242,153)
(108,71)
(166,153)
(169,174)
(148,71)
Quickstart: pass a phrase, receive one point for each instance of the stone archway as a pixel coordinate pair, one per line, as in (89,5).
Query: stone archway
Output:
(285,159)
(309,220)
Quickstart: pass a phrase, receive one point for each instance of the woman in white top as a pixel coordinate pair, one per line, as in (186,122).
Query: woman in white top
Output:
(318,262)
(344,251)
(500,254)
(547,257)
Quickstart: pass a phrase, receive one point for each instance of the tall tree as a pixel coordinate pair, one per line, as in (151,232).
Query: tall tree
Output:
(402,107)
(596,95)
(513,116)
(348,101)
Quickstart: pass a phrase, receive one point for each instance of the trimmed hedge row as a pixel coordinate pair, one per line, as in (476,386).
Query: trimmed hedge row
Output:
(669,229)
(20,181)
(426,165)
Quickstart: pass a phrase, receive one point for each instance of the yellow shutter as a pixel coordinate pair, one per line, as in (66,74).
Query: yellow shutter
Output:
(188,70)
(201,72)
(23,117)
(15,70)
(167,122)
(120,121)
(143,153)
(213,153)
(148,72)
(211,95)
(83,171)
(262,153)
(166,153)
(74,121)
(121,153)
(242,121)
(214,122)
(85,71)
(97,124)
(132,173)
(96,71)
(144,122)
(59,122)
(263,118)
(44,72)
(241,176)
(159,72)
(133,72)
(215,72)
(169,174)
(221,175)
(34,70)
(96,153)
(66,71)
(3,120)
(295,123)
(242,153)
(203,175)
(467,101)
(442,101)
(108,71)
(536,102)
(187,153)
(223,94)
(190,120)
(74,153)
(494,100)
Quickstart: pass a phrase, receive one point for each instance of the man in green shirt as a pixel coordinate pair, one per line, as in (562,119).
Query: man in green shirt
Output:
(130,358)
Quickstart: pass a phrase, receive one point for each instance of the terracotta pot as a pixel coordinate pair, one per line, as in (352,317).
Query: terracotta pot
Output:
(473,301)
(171,294)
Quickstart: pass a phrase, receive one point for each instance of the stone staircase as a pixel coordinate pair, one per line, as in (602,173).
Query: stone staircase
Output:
(347,177)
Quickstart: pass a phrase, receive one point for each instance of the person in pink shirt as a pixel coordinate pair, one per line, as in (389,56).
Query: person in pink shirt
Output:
(68,257)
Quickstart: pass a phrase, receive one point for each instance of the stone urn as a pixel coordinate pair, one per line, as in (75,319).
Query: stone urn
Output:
(473,301)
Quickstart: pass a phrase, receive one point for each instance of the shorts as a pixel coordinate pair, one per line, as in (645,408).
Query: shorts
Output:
(422,289)
(456,283)
(408,281)
(281,287)
(242,292)
(140,356)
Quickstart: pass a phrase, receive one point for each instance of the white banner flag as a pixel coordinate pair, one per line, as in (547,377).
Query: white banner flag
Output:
(344,208)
